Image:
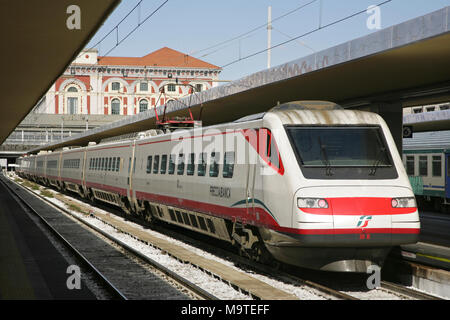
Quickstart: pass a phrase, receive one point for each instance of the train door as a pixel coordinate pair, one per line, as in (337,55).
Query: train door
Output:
(250,181)
(131,171)
(447,175)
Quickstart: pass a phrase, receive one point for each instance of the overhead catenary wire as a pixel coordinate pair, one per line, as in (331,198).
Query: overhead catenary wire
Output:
(303,35)
(116,27)
(252,30)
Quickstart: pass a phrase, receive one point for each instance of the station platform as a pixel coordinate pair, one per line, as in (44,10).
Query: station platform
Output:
(31,268)
(428,254)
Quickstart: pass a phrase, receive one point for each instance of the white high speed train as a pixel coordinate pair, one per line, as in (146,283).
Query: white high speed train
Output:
(307,183)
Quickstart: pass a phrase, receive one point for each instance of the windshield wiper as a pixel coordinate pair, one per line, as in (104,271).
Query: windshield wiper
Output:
(374,168)
(325,159)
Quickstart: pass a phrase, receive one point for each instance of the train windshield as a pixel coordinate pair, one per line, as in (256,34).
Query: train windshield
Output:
(339,146)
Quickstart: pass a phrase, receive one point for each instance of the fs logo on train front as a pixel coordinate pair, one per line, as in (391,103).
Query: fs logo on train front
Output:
(363,222)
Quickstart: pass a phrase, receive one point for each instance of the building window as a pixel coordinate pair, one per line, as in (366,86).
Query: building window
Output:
(143,86)
(115,86)
(437,166)
(171,87)
(115,106)
(143,105)
(72,89)
(410,165)
(72,105)
(423,166)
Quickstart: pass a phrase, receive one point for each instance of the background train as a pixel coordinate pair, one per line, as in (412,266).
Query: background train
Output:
(306,183)
(427,161)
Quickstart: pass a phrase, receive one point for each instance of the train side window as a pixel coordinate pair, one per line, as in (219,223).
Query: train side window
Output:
(98,164)
(423,166)
(149,164)
(118,164)
(129,165)
(172,164)
(191,164)
(134,165)
(156,164)
(410,165)
(113,166)
(109,164)
(163,164)
(180,167)
(228,165)
(214,165)
(201,168)
(437,166)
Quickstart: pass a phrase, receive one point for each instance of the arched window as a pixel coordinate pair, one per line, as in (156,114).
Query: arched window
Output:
(115,106)
(143,105)
(72,100)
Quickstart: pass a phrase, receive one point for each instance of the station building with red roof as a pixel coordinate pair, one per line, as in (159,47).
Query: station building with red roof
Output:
(94,84)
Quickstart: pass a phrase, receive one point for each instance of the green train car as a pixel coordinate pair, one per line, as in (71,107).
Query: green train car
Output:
(429,173)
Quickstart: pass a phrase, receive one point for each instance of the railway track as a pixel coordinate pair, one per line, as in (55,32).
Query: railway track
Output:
(386,291)
(110,265)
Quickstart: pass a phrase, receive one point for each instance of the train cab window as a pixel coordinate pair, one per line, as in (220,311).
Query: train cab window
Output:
(172,164)
(214,165)
(191,164)
(228,165)
(163,164)
(180,166)
(423,166)
(410,165)
(156,164)
(201,168)
(149,164)
(437,166)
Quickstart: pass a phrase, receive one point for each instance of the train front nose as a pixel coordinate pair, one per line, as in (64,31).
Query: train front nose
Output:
(356,216)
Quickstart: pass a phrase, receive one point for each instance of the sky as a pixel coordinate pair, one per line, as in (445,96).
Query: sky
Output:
(193,26)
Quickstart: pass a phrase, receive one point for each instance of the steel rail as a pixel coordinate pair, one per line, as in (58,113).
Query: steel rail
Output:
(203,294)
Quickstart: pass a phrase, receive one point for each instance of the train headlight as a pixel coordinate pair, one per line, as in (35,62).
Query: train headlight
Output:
(407,202)
(315,203)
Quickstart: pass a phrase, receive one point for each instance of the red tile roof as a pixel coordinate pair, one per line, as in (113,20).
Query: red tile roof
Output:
(164,57)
